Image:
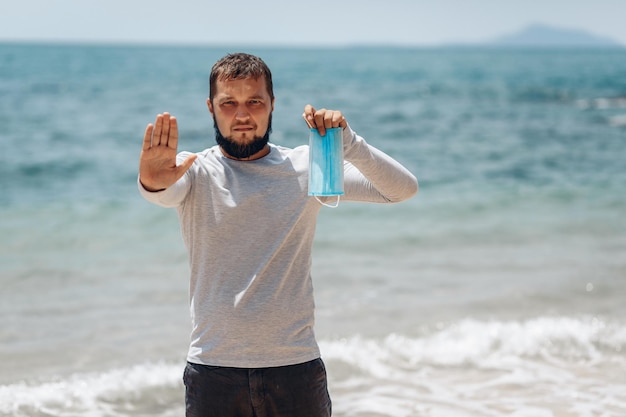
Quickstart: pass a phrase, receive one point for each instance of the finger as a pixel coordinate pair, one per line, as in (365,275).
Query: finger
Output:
(156,133)
(334,119)
(165,133)
(172,142)
(329,119)
(319,121)
(308,120)
(147,137)
(318,117)
(309,111)
(337,119)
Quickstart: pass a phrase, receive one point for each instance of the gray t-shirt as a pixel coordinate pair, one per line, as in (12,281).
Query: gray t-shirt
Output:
(249,228)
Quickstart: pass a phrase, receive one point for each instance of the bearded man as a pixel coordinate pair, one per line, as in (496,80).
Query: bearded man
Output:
(248,224)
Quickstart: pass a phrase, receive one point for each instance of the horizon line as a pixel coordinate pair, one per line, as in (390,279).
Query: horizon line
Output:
(286,45)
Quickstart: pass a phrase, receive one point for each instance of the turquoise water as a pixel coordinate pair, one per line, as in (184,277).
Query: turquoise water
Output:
(498,290)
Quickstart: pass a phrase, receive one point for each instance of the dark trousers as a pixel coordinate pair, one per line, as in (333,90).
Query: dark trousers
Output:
(285,391)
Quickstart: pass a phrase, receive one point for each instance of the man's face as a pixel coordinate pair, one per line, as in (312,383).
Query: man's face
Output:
(241,109)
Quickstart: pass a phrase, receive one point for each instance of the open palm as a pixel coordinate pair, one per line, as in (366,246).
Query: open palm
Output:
(157,163)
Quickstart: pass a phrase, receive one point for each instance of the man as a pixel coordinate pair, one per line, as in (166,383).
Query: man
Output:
(248,224)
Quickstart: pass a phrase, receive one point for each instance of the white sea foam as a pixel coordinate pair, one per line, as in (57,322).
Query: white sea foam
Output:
(602,103)
(547,366)
(139,390)
(490,343)
(541,367)
(618,121)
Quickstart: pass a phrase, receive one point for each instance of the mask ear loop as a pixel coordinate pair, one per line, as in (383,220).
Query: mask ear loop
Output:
(329,205)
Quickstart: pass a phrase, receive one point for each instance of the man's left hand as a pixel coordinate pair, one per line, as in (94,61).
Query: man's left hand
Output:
(323,119)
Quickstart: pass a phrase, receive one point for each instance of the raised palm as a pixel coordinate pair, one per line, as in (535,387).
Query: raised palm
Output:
(157,163)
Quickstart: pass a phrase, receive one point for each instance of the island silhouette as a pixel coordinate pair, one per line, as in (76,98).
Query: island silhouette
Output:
(541,35)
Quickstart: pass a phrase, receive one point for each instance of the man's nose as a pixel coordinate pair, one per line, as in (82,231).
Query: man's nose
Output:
(242,112)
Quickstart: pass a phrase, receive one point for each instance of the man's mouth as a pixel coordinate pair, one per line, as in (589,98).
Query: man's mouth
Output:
(243,128)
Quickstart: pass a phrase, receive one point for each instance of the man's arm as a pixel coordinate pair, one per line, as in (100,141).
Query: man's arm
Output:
(370,174)
(373,176)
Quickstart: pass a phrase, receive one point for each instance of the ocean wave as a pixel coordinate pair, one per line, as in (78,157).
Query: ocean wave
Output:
(618,121)
(490,343)
(147,389)
(546,366)
(602,103)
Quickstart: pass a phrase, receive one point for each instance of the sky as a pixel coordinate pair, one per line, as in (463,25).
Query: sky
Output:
(300,23)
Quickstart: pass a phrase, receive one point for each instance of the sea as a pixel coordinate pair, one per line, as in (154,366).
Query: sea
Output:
(499,290)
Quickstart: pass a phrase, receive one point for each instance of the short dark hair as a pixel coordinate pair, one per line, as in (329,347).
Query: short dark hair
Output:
(240,66)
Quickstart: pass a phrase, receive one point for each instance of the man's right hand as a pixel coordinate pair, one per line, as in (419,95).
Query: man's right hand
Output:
(157,163)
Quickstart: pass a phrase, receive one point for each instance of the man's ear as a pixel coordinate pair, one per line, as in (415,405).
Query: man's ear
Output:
(210,105)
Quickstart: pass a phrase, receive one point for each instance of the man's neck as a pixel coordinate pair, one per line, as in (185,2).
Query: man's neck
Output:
(260,154)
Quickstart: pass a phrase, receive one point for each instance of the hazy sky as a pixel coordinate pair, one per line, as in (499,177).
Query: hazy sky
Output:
(293,22)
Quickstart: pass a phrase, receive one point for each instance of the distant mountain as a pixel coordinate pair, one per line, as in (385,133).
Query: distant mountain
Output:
(538,35)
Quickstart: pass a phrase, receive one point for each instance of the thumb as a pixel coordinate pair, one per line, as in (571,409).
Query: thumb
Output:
(187,163)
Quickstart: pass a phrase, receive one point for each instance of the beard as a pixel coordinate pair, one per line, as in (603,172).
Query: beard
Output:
(242,150)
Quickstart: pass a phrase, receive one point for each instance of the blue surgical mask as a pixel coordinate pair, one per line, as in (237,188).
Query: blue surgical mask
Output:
(326,163)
